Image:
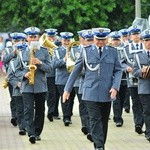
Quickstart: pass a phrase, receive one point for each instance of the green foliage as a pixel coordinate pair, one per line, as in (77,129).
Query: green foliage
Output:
(68,15)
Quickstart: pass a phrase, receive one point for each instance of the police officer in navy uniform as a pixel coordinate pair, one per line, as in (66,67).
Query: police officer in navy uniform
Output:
(62,75)
(52,98)
(34,95)
(134,47)
(15,80)
(9,54)
(103,74)
(142,61)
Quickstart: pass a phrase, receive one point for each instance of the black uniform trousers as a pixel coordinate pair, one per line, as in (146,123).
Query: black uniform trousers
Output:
(98,118)
(34,112)
(67,107)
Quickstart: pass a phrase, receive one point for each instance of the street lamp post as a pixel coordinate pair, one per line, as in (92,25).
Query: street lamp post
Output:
(138,8)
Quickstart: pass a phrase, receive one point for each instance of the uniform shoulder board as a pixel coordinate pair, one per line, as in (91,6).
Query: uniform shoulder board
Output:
(87,46)
(44,48)
(110,46)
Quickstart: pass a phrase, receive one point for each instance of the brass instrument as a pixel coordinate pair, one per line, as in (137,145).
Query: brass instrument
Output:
(70,63)
(146,75)
(5,83)
(32,67)
(48,44)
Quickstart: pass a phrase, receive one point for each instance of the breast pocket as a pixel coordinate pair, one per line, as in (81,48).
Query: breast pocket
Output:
(110,61)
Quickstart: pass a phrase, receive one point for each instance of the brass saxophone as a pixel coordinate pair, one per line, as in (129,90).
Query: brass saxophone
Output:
(32,67)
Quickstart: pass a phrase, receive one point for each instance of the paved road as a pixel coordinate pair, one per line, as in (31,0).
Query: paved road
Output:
(56,136)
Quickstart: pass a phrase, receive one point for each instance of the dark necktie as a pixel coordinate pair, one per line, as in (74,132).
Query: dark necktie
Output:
(148,54)
(137,46)
(100,52)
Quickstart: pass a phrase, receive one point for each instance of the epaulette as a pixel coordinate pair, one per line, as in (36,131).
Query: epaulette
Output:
(44,48)
(87,46)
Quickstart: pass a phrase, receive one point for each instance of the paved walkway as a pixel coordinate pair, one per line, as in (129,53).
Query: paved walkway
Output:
(56,136)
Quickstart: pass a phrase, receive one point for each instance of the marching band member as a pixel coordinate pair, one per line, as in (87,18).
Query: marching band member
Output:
(15,80)
(87,39)
(60,58)
(134,47)
(115,38)
(35,63)
(142,61)
(103,74)
(125,40)
(9,54)
(52,98)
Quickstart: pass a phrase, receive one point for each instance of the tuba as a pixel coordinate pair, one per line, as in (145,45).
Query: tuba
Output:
(48,44)
(146,75)
(32,67)
(70,63)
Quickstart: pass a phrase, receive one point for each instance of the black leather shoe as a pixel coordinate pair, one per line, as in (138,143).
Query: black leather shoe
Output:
(66,122)
(50,117)
(127,110)
(119,124)
(138,129)
(89,137)
(32,139)
(14,121)
(84,130)
(22,132)
(147,137)
(70,122)
(99,149)
(37,138)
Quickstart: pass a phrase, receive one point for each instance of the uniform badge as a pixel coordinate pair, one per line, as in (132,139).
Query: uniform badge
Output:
(135,26)
(32,28)
(147,32)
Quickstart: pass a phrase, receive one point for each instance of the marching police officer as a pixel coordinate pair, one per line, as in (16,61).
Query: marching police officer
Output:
(103,74)
(134,47)
(140,70)
(52,98)
(11,53)
(60,59)
(15,80)
(115,37)
(33,83)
